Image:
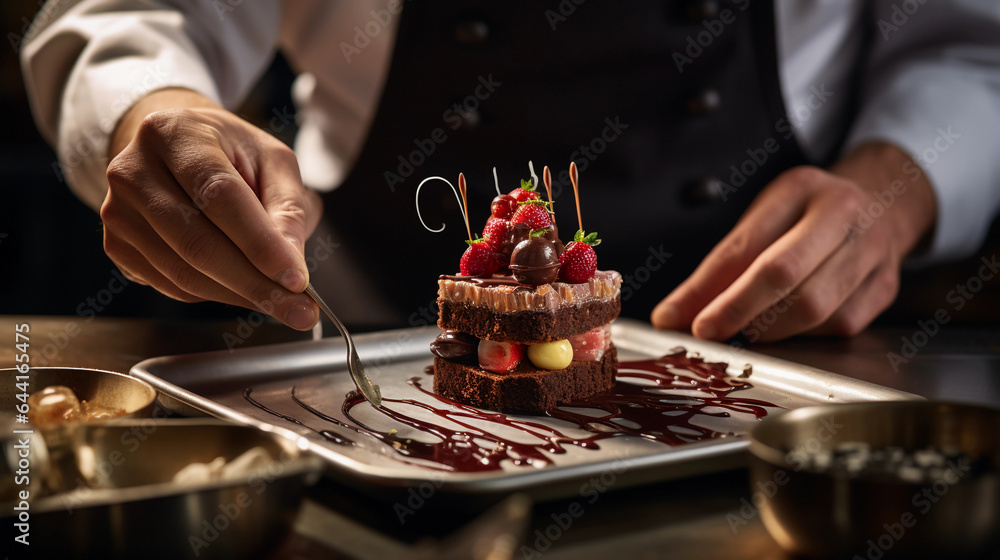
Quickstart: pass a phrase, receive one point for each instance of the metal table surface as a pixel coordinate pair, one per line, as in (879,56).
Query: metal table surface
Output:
(702,517)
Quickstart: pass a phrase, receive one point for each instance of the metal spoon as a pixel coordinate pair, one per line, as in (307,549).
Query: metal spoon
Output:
(354,365)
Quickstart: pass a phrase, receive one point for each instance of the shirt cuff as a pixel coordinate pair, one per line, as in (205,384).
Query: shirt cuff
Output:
(116,68)
(946,120)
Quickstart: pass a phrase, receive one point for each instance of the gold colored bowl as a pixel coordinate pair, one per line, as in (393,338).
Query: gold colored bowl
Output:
(104,388)
(49,443)
(818,513)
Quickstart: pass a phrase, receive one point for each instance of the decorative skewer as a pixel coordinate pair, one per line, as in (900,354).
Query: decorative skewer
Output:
(573,178)
(465,203)
(547,179)
(454,191)
(534,178)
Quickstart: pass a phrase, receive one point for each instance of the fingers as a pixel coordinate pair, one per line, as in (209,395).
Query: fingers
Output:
(186,255)
(220,191)
(294,210)
(872,297)
(145,255)
(725,262)
(824,293)
(201,246)
(789,266)
(771,215)
(781,267)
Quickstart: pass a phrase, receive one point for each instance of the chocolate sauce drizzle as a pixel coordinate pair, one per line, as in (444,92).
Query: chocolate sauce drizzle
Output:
(652,409)
(327,434)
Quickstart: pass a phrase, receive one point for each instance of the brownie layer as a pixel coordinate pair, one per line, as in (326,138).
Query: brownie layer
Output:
(526,389)
(527,327)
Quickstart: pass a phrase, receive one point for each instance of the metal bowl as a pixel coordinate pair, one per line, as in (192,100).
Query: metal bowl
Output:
(822,513)
(105,388)
(127,504)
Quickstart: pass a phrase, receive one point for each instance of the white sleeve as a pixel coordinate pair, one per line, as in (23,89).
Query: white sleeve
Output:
(86,65)
(932,87)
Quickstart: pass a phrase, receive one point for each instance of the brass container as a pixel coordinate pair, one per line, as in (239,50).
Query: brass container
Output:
(822,514)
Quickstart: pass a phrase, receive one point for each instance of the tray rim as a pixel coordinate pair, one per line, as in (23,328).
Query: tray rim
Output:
(715,455)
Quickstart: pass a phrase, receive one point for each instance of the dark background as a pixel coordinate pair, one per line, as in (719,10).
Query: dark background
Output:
(51,255)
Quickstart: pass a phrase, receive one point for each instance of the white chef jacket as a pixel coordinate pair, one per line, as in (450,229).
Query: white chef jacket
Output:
(931,82)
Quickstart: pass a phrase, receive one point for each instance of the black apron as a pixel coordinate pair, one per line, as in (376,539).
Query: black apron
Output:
(672,112)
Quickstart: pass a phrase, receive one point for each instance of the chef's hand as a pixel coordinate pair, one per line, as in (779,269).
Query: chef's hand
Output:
(205,206)
(804,258)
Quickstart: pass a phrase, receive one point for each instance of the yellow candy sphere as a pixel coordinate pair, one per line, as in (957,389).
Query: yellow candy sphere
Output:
(551,355)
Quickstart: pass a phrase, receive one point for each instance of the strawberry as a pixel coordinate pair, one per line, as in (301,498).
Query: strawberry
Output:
(503,206)
(500,357)
(578,261)
(496,232)
(591,345)
(534,214)
(478,260)
(525,192)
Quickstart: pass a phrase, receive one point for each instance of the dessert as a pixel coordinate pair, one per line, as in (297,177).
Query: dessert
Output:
(526,322)
(58,404)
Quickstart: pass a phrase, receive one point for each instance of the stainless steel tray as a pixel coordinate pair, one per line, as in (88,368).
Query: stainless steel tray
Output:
(214,383)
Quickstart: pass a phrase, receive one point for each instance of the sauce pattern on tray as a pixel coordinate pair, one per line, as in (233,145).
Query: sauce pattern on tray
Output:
(656,399)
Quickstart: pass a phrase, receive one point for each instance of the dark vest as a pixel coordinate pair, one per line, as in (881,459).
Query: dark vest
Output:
(672,112)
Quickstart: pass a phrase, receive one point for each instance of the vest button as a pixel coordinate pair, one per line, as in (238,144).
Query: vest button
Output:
(470,118)
(707,101)
(703,191)
(700,10)
(471,32)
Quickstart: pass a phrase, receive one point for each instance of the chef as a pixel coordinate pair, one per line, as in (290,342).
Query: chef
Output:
(741,159)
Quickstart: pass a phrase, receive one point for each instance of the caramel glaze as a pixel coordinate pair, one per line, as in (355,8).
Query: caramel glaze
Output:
(648,411)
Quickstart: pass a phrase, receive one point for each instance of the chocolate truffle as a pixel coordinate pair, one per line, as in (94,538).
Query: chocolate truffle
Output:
(535,261)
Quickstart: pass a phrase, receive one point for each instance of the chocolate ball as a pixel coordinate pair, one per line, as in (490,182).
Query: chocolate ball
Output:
(535,261)
(454,345)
